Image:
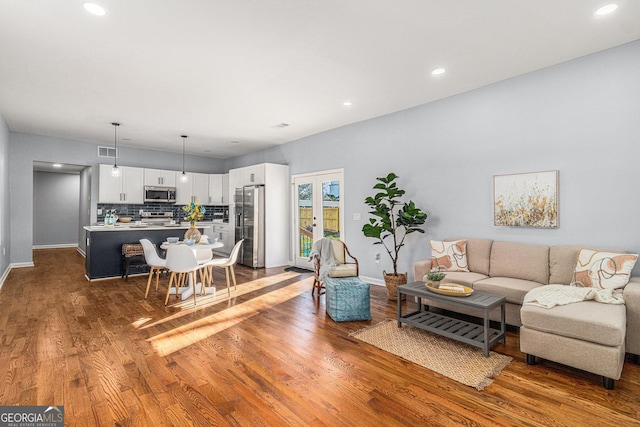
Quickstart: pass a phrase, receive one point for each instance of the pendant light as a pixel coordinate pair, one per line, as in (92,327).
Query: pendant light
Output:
(115,171)
(183,176)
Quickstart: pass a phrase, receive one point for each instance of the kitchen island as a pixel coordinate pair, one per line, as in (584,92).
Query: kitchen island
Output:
(104,244)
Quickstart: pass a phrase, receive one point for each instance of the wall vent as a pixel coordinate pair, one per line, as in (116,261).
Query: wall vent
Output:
(107,152)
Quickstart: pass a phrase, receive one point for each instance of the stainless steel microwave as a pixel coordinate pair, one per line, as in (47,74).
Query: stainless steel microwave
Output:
(159,194)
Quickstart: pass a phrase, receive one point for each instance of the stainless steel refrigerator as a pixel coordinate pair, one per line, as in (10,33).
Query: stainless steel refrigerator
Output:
(249,223)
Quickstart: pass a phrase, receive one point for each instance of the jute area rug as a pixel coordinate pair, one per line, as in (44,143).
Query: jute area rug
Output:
(455,360)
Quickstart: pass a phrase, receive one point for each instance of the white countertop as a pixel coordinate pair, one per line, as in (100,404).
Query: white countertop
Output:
(133,227)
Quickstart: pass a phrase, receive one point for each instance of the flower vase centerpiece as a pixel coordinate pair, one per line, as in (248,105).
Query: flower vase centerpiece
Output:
(110,217)
(193,213)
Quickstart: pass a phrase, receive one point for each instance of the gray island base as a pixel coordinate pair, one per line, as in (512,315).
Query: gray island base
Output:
(104,246)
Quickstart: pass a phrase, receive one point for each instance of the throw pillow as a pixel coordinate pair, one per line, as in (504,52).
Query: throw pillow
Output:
(603,270)
(449,256)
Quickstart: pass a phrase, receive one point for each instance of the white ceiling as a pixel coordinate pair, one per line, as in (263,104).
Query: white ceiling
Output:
(232,70)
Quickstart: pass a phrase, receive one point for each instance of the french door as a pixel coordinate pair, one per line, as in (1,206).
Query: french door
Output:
(319,211)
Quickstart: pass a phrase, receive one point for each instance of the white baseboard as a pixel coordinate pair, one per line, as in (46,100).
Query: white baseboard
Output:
(4,275)
(372,280)
(63,245)
(83,253)
(22,264)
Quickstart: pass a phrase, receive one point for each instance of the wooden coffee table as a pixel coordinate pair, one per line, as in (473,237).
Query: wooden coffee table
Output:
(482,336)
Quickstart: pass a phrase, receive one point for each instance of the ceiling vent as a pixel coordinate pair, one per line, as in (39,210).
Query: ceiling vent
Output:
(109,152)
(280,125)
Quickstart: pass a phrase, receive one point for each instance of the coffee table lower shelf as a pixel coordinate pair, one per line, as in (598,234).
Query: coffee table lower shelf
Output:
(477,335)
(459,330)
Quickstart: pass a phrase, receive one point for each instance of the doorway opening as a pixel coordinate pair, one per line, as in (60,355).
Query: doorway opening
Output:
(318,203)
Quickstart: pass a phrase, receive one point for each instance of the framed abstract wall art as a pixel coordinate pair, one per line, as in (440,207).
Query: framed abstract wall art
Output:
(526,200)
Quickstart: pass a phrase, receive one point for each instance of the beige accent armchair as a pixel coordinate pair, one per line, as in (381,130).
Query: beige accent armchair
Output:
(343,268)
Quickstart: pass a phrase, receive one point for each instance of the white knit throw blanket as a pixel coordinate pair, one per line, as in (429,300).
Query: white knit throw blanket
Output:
(549,296)
(323,249)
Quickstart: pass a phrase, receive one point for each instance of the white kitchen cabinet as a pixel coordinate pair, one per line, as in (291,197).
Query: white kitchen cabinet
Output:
(253,175)
(215,189)
(196,187)
(159,178)
(235,181)
(221,231)
(128,187)
(225,189)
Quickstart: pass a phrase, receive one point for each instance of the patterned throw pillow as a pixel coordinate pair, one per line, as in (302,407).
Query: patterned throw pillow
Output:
(449,256)
(603,270)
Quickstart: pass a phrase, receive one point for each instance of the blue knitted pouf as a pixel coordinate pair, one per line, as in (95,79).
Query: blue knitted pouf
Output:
(347,299)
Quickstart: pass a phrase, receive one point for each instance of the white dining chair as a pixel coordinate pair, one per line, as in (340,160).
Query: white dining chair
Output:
(227,264)
(182,262)
(154,261)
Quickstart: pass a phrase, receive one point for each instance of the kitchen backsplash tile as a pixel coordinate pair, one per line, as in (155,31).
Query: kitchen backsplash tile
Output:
(212,212)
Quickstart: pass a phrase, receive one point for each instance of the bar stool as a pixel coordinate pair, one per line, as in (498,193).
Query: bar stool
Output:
(132,255)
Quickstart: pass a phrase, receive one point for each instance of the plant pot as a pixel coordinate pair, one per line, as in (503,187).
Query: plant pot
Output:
(392,282)
(435,284)
(193,233)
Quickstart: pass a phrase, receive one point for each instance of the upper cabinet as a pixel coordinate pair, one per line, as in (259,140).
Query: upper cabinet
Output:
(196,187)
(253,175)
(219,189)
(128,187)
(159,178)
(235,181)
(225,189)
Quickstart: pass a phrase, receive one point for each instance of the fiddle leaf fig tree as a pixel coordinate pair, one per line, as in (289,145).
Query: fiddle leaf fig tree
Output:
(389,222)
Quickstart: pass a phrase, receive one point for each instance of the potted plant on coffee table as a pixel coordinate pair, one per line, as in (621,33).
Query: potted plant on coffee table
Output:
(392,221)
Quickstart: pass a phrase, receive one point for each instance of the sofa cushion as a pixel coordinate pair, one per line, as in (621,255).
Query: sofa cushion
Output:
(513,289)
(449,256)
(520,261)
(604,270)
(591,321)
(478,253)
(462,278)
(562,263)
(344,270)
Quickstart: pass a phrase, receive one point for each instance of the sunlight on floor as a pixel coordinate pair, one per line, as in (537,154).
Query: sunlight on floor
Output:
(221,296)
(183,336)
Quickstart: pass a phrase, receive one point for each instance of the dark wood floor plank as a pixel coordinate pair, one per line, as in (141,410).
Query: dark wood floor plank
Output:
(268,355)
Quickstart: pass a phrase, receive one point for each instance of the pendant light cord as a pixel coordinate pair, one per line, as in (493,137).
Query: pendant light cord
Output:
(115,144)
(184,137)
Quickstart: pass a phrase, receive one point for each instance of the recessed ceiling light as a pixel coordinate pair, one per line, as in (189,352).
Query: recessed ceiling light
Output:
(56,165)
(347,103)
(438,71)
(94,9)
(605,10)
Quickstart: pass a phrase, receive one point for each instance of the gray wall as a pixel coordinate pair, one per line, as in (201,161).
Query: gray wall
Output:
(84,207)
(56,201)
(24,149)
(5,238)
(580,118)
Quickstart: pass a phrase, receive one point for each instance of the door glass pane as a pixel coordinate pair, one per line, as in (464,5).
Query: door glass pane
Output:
(331,209)
(305,219)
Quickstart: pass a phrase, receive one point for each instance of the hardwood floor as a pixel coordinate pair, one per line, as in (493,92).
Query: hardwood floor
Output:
(268,356)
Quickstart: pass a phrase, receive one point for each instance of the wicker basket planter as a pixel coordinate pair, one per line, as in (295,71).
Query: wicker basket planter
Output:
(392,282)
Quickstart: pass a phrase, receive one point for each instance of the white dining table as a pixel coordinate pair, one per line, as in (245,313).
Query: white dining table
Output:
(186,292)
